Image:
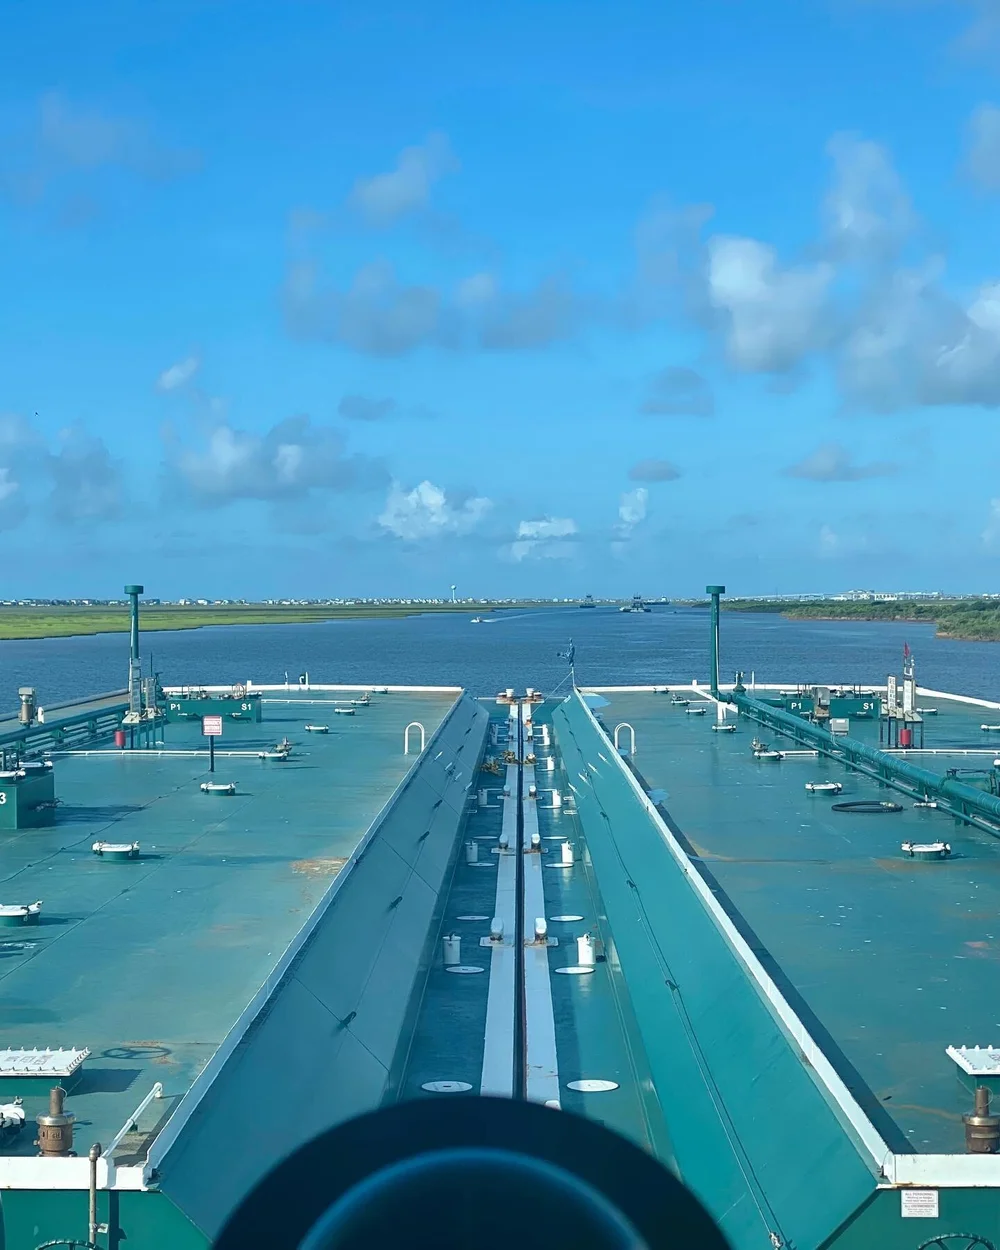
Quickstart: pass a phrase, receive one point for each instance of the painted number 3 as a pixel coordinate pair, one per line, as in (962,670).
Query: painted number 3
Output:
(3,797)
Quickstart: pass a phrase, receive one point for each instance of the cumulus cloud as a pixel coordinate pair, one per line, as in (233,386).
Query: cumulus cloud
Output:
(892,334)
(428,511)
(771,315)
(377,314)
(912,344)
(678,391)
(833,463)
(87,482)
(74,481)
(178,374)
(286,463)
(363,408)
(385,198)
(984,147)
(68,141)
(546,538)
(549,312)
(632,509)
(867,210)
(991,534)
(654,471)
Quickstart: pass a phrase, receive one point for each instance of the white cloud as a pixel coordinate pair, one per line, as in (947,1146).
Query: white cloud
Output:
(833,463)
(867,209)
(678,391)
(379,314)
(984,147)
(476,290)
(654,471)
(85,483)
(991,534)
(773,316)
(547,538)
(287,462)
(912,344)
(178,374)
(385,198)
(427,511)
(632,507)
(829,541)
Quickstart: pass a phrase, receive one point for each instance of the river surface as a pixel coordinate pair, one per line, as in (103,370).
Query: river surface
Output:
(509,649)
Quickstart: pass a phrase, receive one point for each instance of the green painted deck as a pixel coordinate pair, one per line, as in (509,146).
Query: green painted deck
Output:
(886,960)
(149,963)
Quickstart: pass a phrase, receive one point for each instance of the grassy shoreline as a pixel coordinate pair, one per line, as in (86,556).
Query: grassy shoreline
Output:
(964,620)
(23,623)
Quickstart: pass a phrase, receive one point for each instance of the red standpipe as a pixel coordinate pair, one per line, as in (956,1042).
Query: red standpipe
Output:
(119,737)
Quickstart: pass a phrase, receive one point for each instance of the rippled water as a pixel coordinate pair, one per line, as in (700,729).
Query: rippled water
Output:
(515,648)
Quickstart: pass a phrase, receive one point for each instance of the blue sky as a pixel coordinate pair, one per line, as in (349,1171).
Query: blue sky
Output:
(312,298)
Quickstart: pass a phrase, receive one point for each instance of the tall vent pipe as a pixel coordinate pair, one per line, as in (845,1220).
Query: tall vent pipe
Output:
(715,592)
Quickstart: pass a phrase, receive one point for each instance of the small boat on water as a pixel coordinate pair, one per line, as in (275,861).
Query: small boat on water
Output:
(344,711)
(724,728)
(316,729)
(927,711)
(987,729)
(477,620)
(676,701)
(925,802)
(824,787)
(218,787)
(697,711)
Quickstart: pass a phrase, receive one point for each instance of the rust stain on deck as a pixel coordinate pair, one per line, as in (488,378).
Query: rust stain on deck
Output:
(319,867)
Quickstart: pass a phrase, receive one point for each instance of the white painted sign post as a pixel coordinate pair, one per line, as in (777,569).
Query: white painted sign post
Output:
(211,727)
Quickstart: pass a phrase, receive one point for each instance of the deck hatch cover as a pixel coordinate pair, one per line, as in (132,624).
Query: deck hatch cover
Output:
(41,1062)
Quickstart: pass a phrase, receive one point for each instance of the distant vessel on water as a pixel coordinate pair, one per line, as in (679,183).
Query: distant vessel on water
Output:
(477,620)
(636,605)
(588,602)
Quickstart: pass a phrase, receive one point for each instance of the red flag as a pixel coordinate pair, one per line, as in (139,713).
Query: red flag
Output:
(906,650)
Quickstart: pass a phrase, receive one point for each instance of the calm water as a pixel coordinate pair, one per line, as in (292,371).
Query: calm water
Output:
(516,649)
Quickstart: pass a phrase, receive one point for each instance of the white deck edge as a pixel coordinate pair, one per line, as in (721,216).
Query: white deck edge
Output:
(813,1055)
(944,1171)
(203,1082)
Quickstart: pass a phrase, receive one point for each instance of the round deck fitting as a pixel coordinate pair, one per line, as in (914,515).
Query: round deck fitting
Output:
(592,1085)
(566,918)
(464,970)
(472,917)
(576,970)
(446,1087)
(926,850)
(872,807)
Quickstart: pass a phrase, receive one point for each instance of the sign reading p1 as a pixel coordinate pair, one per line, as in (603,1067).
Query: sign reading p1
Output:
(211,727)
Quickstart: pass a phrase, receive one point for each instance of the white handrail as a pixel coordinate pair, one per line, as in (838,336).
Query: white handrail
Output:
(414,724)
(618,728)
(133,1121)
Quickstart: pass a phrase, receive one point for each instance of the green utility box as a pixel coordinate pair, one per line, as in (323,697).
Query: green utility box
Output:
(856,707)
(797,704)
(27,797)
(230,707)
